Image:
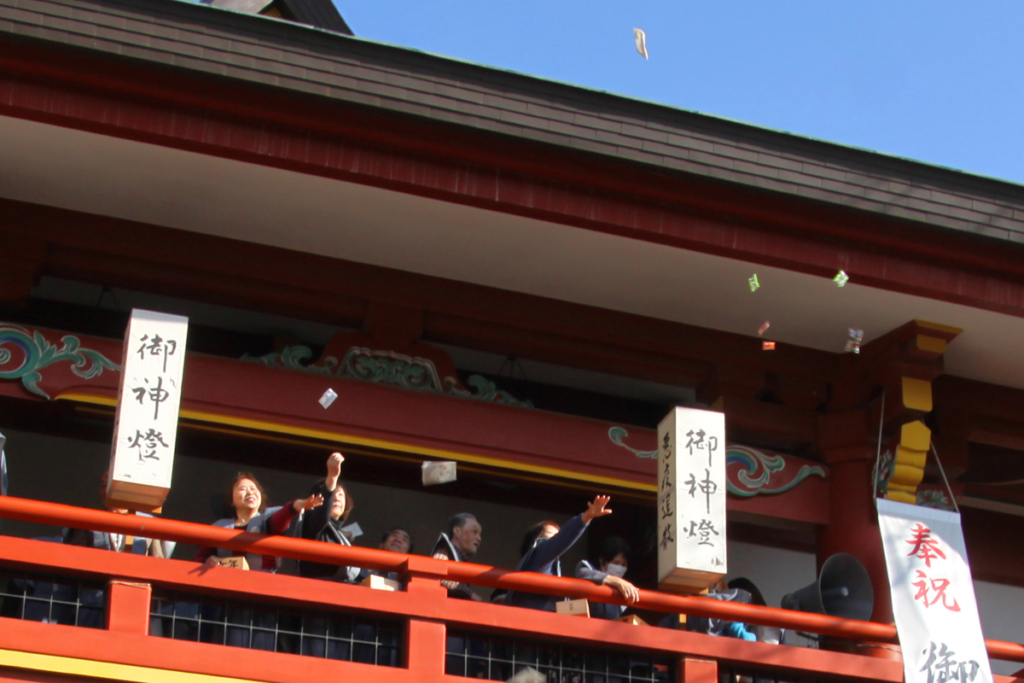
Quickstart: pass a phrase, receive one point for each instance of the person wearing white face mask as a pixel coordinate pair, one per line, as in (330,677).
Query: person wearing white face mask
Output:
(611,566)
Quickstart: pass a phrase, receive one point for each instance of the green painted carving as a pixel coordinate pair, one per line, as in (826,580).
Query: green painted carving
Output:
(884,469)
(486,390)
(618,434)
(293,358)
(391,369)
(758,474)
(766,466)
(39,353)
(930,498)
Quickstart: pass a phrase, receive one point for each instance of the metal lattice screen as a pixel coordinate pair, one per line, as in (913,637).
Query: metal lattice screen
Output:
(734,674)
(52,599)
(498,658)
(330,635)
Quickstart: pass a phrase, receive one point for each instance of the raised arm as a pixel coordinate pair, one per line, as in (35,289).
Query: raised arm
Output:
(551,549)
(333,470)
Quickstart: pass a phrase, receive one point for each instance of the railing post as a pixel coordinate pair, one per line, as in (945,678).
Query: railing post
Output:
(697,671)
(425,646)
(128,606)
(423,575)
(426,641)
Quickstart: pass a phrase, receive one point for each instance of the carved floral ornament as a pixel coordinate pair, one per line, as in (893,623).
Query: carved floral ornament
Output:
(391,369)
(750,472)
(928,496)
(24,354)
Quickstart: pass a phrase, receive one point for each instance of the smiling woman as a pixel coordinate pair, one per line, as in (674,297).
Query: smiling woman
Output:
(246,499)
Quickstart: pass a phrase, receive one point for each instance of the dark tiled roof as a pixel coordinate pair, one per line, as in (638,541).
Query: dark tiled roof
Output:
(302,59)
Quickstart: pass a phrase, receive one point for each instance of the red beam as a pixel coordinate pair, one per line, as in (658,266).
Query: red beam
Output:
(56,514)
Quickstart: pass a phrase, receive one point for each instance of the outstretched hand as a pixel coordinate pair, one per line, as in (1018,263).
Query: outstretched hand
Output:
(596,509)
(334,465)
(314,501)
(333,470)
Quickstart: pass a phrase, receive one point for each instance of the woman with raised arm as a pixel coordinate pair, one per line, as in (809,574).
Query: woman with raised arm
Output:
(611,566)
(542,547)
(324,523)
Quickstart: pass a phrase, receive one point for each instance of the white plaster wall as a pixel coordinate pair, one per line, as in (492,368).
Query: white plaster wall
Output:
(1002,617)
(773,570)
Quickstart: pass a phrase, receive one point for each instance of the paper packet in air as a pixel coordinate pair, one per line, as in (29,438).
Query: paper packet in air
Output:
(328,398)
(438,472)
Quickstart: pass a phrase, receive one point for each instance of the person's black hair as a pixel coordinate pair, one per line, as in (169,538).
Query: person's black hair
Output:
(530,537)
(400,527)
(745,584)
(459,521)
(612,547)
(350,503)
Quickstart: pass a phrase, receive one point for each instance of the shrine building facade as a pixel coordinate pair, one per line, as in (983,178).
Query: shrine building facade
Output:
(516,275)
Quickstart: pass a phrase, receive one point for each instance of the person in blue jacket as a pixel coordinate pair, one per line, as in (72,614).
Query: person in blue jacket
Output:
(611,566)
(543,546)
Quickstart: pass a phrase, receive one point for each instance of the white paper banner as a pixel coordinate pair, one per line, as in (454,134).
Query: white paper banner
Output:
(146,423)
(691,499)
(932,595)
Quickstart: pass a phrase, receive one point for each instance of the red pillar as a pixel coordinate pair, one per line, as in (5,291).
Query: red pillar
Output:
(853,528)
(849,445)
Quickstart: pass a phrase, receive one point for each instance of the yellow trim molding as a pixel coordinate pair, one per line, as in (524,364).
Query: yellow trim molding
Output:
(337,437)
(108,670)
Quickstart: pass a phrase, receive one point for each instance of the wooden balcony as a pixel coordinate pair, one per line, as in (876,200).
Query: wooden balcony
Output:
(429,623)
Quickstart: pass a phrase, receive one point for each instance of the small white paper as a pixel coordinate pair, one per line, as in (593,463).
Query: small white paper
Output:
(353,530)
(328,398)
(438,472)
(641,42)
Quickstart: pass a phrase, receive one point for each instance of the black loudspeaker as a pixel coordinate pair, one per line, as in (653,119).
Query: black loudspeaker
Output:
(843,589)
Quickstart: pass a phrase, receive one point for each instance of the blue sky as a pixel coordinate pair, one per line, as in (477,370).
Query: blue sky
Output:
(937,81)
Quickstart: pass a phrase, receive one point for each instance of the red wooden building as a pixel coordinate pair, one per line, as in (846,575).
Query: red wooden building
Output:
(519,275)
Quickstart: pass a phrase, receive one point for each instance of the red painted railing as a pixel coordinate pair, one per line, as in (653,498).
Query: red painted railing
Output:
(425,600)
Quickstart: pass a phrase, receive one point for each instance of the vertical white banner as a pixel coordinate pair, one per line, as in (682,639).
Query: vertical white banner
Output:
(146,426)
(932,595)
(691,499)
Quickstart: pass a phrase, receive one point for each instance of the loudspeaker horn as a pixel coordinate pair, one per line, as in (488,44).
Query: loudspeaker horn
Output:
(843,589)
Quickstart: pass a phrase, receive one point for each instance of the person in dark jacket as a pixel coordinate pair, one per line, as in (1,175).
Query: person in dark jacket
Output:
(324,523)
(459,541)
(542,547)
(611,566)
